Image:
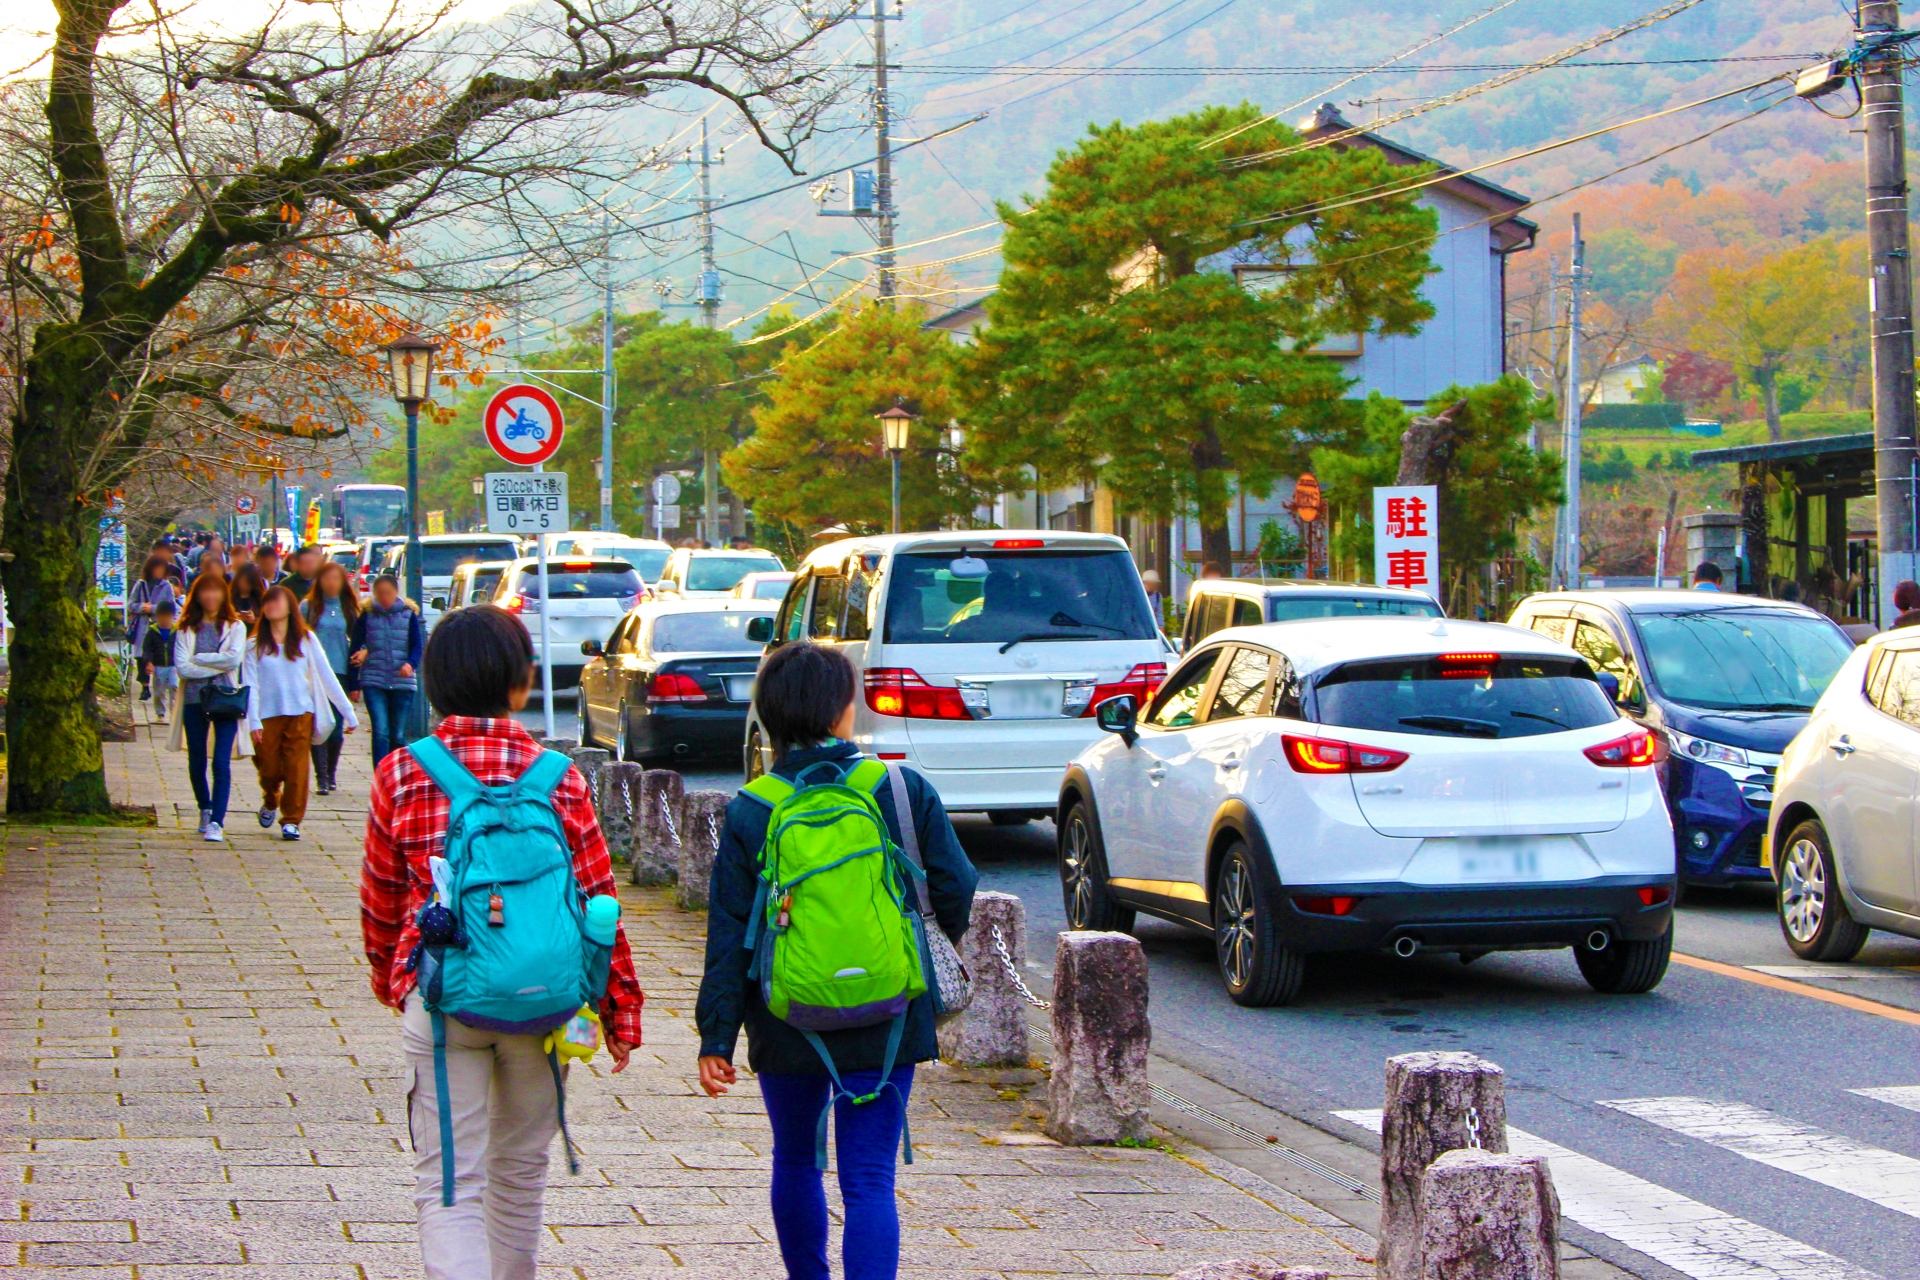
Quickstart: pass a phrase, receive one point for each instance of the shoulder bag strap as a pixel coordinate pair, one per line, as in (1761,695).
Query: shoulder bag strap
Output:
(447,772)
(769,789)
(909,838)
(547,771)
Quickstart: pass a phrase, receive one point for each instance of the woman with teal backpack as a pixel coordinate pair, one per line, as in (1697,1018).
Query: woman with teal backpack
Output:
(864,1072)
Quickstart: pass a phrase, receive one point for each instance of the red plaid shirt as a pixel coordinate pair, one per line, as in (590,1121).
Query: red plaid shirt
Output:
(407,824)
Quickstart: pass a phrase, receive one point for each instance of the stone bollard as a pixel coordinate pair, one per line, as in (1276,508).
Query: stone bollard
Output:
(657,800)
(1432,1101)
(993,1030)
(613,801)
(592,763)
(1249,1269)
(1485,1215)
(1098,1090)
(564,746)
(702,818)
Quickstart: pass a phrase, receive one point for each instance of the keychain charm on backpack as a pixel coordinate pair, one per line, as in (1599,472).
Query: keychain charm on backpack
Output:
(496,910)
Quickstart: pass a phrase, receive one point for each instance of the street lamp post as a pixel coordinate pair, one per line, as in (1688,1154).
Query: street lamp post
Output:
(410,364)
(480,500)
(896,424)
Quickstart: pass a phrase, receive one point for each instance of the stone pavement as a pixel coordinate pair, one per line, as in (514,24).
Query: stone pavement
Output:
(195,1078)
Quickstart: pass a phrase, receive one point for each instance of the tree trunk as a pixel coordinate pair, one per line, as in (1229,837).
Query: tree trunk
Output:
(1770,398)
(53,733)
(1213,504)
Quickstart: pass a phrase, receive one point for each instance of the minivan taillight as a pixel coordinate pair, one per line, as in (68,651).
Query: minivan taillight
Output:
(1637,748)
(899,691)
(1328,755)
(1141,682)
(674,686)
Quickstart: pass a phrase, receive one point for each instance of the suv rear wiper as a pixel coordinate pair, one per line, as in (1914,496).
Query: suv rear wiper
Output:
(1535,715)
(1047,635)
(1064,619)
(1458,724)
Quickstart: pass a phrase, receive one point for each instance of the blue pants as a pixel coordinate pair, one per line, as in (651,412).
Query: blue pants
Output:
(387,717)
(195,724)
(866,1147)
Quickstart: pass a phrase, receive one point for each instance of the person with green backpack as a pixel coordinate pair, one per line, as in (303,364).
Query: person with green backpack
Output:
(816,944)
(490,920)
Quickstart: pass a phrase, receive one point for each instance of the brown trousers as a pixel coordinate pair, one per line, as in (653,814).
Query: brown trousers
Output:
(284,762)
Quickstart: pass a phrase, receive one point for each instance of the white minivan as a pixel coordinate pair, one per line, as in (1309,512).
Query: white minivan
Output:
(981,653)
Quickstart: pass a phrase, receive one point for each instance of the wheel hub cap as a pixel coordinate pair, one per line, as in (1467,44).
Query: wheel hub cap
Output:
(1803,891)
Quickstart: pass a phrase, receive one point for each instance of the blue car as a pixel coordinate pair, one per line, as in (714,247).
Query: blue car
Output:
(1728,680)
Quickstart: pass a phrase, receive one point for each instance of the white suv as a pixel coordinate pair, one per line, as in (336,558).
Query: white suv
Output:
(1376,784)
(692,573)
(981,653)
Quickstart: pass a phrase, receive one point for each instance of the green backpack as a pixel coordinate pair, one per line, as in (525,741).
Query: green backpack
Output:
(835,942)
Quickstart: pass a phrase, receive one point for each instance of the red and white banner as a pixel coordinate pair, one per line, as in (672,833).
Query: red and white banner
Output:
(1406,537)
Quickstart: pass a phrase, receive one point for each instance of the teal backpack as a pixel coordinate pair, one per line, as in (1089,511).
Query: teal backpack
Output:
(836,945)
(512,949)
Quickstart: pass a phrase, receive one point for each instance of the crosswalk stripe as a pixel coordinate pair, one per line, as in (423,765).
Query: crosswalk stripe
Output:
(1694,1239)
(1900,1095)
(1886,1178)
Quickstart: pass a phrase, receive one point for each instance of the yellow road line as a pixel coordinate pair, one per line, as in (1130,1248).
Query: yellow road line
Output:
(1889,1011)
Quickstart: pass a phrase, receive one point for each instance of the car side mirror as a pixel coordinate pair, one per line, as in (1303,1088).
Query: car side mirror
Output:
(436,602)
(591,649)
(760,628)
(1609,682)
(1117,715)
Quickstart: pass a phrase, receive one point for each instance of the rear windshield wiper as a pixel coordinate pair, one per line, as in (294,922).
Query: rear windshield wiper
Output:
(1455,724)
(1047,635)
(1064,619)
(1535,715)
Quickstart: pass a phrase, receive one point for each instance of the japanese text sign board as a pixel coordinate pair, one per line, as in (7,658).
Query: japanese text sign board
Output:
(527,501)
(1406,537)
(523,425)
(110,555)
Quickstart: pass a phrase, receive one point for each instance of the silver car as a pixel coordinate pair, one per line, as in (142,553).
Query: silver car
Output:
(590,594)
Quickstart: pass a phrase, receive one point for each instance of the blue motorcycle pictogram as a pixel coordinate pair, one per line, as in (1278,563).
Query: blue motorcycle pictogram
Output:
(522,425)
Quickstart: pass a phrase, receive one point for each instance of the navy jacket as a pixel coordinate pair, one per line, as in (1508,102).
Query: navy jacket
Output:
(728,999)
(375,632)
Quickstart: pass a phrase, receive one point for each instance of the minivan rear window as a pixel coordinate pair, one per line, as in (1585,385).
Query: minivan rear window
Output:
(1024,595)
(1463,696)
(597,583)
(723,573)
(440,559)
(1285,609)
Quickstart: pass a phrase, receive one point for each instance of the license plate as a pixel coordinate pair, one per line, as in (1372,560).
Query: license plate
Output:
(1496,859)
(1023,699)
(739,688)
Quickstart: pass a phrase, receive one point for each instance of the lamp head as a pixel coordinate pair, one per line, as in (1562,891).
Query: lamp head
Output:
(895,426)
(410,365)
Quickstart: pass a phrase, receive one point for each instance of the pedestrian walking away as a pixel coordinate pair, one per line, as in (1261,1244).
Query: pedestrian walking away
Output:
(805,694)
(388,639)
(248,588)
(485,1095)
(156,660)
(154,589)
(209,648)
(294,700)
(330,610)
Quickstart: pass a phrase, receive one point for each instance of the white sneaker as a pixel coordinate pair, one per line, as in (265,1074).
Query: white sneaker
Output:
(288,831)
(206,818)
(213,833)
(267,815)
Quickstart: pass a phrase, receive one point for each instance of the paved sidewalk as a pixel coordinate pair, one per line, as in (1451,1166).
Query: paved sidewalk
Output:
(195,1078)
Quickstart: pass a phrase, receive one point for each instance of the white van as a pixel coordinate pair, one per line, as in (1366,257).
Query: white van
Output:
(981,653)
(440,555)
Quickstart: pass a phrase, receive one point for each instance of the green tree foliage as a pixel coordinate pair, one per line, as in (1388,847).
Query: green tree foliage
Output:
(815,457)
(1493,482)
(1122,344)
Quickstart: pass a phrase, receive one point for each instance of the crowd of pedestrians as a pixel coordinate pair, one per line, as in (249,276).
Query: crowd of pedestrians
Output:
(246,658)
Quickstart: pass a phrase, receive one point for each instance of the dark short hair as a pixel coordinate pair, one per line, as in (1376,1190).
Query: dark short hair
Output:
(165,607)
(800,691)
(475,657)
(1706,571)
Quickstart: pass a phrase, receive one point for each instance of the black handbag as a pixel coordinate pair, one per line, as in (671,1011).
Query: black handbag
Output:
(219,704)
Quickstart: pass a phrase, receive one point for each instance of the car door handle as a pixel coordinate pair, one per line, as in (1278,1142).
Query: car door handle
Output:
(1156,773)
(1841,747)
(1230,763)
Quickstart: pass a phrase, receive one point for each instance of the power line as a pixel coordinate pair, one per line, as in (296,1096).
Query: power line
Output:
(928,68)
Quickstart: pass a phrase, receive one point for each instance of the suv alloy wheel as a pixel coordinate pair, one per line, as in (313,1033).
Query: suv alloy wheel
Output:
(1083,877)
(1256,968)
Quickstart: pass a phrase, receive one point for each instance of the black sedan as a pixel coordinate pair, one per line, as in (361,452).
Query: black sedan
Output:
(674,681)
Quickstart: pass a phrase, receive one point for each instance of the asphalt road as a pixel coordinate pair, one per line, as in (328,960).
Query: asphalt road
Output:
(1756,1154)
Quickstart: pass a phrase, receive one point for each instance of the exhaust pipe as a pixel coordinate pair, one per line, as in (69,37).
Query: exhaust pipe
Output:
(1404,947)
(681,748)
(1598,940)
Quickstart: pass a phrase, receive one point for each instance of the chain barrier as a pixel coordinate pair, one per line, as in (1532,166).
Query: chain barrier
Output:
(1013,974)
(713,831)
(666,815)
(1473,1128)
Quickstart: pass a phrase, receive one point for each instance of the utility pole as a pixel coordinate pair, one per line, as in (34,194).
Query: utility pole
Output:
(606,387)
(1890,299)
(883,161)
(1570,513)
(709,302)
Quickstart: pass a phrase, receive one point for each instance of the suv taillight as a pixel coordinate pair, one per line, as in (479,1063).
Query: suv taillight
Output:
(1637,748)
(1328,755)
(674,686)
(899,691)
(1142,682)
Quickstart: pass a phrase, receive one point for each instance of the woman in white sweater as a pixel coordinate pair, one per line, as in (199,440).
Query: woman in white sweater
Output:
(292,699)
(208,649)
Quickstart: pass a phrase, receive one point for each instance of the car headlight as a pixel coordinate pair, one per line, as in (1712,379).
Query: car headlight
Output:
(1704,751)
